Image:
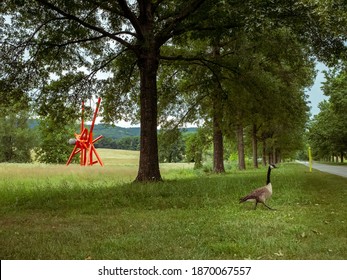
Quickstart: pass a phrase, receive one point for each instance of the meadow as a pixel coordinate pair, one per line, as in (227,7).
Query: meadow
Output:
(59,212)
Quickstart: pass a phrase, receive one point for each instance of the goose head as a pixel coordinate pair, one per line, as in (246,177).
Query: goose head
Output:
(272,166)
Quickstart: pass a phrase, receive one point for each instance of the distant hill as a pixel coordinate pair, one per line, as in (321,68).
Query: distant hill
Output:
(115,132)
(189,130)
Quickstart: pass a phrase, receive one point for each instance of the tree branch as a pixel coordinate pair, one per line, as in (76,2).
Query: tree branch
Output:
(73,42)
(43,25)
(131,17)
(191,108)
(82,40)
(171,25)
(85,24)
(157,4)
(103,65)
(202,60)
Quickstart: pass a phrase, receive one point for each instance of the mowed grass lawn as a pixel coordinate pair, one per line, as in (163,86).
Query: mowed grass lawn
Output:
(59,212)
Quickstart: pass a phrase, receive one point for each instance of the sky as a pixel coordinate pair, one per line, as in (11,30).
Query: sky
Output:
(315,93)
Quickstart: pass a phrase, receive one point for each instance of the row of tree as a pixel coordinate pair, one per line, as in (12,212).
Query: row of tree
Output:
(240,66)
(125,143)
(15,138)
(327,132)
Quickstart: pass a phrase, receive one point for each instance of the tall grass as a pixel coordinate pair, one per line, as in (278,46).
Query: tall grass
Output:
(54,212)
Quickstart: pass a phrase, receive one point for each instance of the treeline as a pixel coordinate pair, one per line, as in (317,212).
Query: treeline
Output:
(327,132)
(16,138)
(113,138)
(126,143)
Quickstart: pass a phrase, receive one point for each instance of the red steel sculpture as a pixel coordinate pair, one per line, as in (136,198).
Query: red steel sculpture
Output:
(84,142)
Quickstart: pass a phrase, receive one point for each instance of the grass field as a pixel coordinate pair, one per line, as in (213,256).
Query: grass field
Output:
(59,212)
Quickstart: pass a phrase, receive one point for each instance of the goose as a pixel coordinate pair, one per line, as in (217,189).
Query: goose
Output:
(260,195)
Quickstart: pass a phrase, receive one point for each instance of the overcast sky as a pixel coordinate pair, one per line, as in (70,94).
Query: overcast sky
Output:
(315,93)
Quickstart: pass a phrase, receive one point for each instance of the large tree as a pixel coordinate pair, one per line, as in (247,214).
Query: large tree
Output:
(55,37)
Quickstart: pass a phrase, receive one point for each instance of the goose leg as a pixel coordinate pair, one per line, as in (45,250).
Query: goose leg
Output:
(255,206)
(268,206)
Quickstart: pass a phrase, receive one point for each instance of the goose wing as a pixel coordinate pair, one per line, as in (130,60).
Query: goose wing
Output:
(260,194)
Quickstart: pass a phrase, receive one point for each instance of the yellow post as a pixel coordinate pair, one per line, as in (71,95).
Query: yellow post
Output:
(310,158)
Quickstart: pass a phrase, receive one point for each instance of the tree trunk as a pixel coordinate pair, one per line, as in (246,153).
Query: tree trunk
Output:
(264,153)
(278,156)
(218,147)
(149,161)
(255,146)
(198,160)
(240,147)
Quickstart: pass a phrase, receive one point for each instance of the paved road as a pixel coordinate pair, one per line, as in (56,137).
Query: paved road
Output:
(332,169)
